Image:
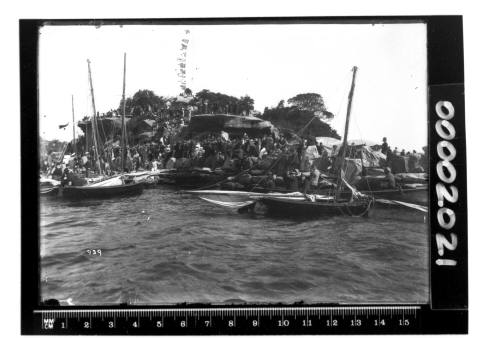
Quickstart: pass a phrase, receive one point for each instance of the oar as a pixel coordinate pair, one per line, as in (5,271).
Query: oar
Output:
(405,204)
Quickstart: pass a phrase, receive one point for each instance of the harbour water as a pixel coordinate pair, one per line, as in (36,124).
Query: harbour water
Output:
(164,248)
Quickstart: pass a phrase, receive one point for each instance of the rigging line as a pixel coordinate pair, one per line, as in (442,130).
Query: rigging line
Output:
(341,89)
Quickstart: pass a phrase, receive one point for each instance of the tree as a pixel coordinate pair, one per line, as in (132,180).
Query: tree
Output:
(219,103)
(300,116)
(143,101)
(308,101)
(245,104)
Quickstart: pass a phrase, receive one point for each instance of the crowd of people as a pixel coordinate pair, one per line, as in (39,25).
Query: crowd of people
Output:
(417,162)
(296,163)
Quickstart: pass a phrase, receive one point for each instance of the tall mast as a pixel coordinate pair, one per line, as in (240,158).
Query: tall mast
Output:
(86,137)
(124,133)
(94,122)
(73,112)
(346,130)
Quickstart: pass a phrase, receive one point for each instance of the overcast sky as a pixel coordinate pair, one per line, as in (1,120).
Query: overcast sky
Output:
(267,62)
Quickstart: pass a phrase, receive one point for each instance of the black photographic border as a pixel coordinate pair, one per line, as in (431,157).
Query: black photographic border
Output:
(447,311)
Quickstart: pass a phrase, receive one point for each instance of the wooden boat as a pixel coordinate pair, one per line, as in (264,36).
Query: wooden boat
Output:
(238,199)
(418,196)
(118,186)
(48,186)
(149,178)
(49,191)
(307,208)
(101,190)
(294,203)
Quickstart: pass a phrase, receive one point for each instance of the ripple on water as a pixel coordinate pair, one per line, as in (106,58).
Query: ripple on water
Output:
(161,247)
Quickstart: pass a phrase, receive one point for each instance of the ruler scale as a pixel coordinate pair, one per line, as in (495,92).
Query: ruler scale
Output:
(237,320)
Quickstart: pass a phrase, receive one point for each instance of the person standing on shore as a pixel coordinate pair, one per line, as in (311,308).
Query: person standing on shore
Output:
(384,146)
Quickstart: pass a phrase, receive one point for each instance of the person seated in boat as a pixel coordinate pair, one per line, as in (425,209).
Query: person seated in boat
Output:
(154,165)
(324,161)
(315,175)
(412,161)
(292,180)
(270,182)
(107,168)
(252,149)
(219,160)
(65,178)
(352,151)
(306,181)
(57,171)
(320,148)
(293,159)
(391,180)
(70,179)
(269,143)
(263,152)
(282,142)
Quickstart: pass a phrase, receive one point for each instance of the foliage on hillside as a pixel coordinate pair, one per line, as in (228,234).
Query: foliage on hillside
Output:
(301,116)
(145,101)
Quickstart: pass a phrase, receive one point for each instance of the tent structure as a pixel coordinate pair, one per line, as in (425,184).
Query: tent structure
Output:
(361,149)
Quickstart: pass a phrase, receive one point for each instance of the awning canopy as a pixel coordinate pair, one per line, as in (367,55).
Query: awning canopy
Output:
(232,124)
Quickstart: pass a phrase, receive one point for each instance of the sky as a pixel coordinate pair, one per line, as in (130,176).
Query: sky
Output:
(267,62)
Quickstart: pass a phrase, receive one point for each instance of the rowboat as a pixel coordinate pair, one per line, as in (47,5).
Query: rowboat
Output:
(418,196)
(48,186)
(237,199)
(105,189)
(149,178)
(312,208)
(48,191)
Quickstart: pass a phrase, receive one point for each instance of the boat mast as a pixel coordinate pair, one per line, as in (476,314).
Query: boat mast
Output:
(94,122)
(346,130)
(124,133)
(73,112)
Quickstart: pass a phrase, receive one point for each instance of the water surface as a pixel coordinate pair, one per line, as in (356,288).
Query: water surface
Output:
(164,248)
